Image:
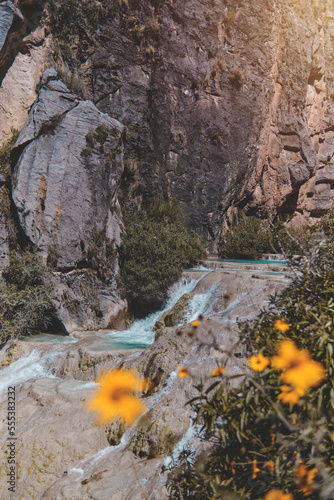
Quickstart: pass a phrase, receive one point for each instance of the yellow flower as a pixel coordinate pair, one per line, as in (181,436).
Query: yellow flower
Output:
(270,466)
(290,395)
(281,326)
(300,372)
(289,355)
(217,371)
(116,397)
(255,469)
(195,323)
(293,418)
(305,376)
(305,478)
(183,372)
(259,363)
(278,495)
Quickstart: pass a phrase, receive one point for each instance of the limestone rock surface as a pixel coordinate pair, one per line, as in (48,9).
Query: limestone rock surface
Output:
(63,192)
(69,160)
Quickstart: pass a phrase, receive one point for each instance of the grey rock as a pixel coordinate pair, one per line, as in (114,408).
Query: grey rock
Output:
(48,104)
(49,74)
(7,11)
(84,302)
(64,187)
(63,197)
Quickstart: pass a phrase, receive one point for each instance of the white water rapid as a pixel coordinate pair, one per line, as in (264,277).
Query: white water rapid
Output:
(27,368)
(141,333)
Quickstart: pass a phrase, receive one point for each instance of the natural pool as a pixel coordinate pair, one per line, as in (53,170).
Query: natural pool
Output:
(260,261)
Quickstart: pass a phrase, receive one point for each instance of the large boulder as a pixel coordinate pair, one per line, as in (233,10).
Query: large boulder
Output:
(64,187)
(7,12)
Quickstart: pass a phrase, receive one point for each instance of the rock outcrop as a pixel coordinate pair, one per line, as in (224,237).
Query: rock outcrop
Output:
(24,52)
(228,105)
(69,160)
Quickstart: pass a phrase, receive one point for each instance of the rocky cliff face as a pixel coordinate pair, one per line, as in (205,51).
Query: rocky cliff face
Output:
(227,104)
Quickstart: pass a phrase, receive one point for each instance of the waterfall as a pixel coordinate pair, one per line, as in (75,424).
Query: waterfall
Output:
(29,367)
(199,304)
(141,333)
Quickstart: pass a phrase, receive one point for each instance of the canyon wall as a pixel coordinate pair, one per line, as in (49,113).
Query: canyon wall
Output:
(222,104)
(228,103)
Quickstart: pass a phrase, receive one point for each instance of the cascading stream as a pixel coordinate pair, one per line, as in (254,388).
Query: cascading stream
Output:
(141,334)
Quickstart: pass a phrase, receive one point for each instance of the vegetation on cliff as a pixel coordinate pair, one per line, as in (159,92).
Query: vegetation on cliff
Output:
(73,25)
(5,150)
(158,248)
(247,240)
(253,237)
(272,437)
(26,292)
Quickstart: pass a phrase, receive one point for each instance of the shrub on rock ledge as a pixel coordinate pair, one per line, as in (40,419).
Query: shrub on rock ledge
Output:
(26,292)
(158,248)
(248,240)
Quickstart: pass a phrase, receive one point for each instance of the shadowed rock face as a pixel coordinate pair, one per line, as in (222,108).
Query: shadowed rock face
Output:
(10,23)
(18,18)
(227,104)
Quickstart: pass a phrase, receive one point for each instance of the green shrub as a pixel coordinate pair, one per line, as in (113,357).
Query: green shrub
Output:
(158,248)
(48,127)
(253,237)
(249,423)
(72,81)
(248,240)
(26,292)
(99,135)
(5,150)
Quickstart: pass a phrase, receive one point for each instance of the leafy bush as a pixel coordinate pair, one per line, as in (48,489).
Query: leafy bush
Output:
(5,150)
(48,127)
(253,237)
(26,292)
(72,81)
(248,240)
(73,25)
(260,445)
(158,248)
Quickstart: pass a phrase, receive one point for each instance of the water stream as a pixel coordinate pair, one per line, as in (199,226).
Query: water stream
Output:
(38,364)
(33,366)
(141,334)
